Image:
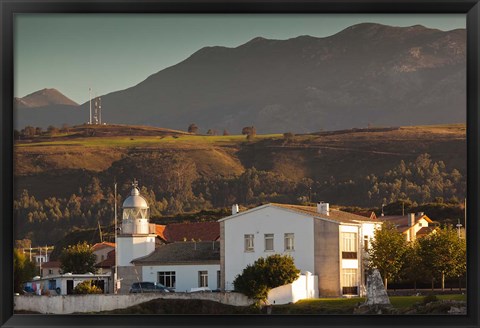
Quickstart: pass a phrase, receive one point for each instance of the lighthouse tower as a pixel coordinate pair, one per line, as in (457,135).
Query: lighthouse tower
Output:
(136,239)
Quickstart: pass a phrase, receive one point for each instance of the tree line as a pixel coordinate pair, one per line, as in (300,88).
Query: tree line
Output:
(172,185)
(435,257)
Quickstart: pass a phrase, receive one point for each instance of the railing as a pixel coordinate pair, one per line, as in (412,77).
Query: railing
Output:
(349,255)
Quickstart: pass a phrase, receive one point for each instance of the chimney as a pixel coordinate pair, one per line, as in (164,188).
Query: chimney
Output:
(235,209)
(323,208)
(420,214)
(411,219)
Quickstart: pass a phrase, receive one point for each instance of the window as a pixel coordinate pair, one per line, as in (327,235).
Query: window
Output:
(349,281)
(289,241)
(50,271)
(249,243)
(269,242)
(166,278)
(52,284)
(365,243)
(349,245)
(219,277)
(202,278)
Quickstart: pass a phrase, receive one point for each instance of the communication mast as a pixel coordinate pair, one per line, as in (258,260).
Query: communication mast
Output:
(97,113)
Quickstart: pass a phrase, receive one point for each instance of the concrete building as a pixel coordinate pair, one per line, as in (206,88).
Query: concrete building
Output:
(326,242)
(51,268)
(64,284)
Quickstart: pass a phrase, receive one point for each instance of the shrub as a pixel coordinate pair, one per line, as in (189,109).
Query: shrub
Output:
(87,287)
(258,278)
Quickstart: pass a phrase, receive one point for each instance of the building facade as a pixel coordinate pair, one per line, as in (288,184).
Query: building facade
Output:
(329,243)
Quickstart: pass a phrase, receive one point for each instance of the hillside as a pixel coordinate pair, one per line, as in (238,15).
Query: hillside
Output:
(65,181)
(367,74)
(345,155)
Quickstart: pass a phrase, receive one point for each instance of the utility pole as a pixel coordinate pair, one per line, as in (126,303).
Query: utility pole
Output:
(90,99)
(115,275)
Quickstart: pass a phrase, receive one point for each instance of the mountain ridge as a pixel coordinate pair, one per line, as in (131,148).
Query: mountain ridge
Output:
(367,74)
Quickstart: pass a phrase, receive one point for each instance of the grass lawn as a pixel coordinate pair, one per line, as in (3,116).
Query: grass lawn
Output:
(346,305)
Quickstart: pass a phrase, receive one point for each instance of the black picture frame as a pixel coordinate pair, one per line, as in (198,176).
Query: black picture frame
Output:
(10,7)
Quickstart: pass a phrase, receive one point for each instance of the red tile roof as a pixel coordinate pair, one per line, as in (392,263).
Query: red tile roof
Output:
(160,230)
(198,231)
(401,221)
(334,214)
(101,245)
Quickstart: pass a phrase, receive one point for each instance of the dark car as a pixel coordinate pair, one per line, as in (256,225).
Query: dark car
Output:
(28,290)
(149,287)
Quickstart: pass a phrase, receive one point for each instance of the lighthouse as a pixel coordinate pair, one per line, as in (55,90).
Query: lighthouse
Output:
(136,239)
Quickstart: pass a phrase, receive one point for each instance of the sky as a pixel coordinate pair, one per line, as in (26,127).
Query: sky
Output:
(111,52)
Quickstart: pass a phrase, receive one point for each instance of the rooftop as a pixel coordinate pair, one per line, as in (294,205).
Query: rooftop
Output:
(183,253)
(198,231)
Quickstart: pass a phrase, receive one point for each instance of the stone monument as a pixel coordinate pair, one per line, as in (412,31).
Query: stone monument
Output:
(377,301)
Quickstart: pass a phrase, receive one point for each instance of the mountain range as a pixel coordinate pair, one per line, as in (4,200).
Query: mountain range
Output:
(366,75)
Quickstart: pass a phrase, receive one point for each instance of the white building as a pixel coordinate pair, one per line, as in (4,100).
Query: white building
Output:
(64,284)
(137,238)
(183,265)
(326,242)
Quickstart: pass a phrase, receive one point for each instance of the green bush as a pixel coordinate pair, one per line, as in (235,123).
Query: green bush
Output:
(87,287)
(258,278)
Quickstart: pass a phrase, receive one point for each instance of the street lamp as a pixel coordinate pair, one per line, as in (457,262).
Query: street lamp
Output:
(459,225)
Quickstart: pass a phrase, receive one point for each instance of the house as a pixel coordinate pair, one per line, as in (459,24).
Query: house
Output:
(412,225)
(182,265)
(107,264)
(326,242)
(100,250)
(51,268)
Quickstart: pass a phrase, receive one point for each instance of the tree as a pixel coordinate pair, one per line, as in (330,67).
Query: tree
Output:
(258,278)
(249,130)
(78,258)
(52,130)
(193,128)
(23,270)
(412,265)
(387,252)
(443,254)
(225,132)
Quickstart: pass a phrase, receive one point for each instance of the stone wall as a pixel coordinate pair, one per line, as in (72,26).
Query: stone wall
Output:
(96,303)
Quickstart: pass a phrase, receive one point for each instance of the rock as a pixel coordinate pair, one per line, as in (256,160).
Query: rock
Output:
(376,293)
(457,310)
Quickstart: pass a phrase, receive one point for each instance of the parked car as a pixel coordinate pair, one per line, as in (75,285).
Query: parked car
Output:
(200,290)
(27,290)
(149,287)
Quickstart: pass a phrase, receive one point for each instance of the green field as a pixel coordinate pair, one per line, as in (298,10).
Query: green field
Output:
(147,141)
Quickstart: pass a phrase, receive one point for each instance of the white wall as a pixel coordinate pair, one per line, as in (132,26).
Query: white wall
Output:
(264,220)
(186,276)
(305,287)
(95,303)
(132,247)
